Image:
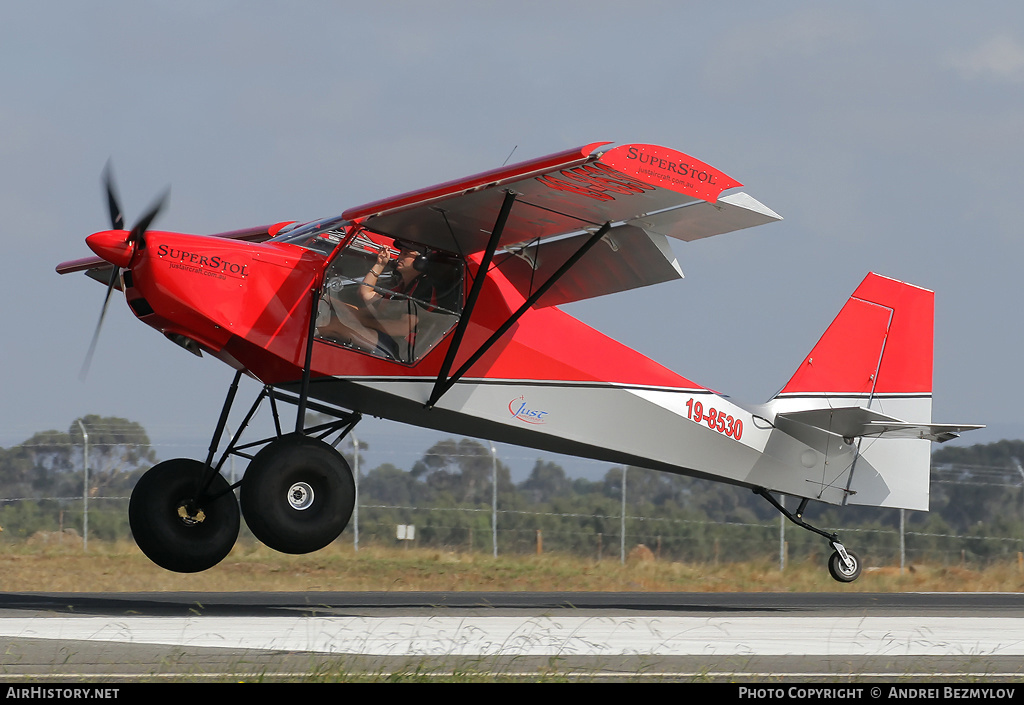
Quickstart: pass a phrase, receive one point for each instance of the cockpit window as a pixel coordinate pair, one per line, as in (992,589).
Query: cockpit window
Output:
(390,298)
(320,235)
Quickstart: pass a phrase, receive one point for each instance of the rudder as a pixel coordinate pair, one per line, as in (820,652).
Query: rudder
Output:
(879,344)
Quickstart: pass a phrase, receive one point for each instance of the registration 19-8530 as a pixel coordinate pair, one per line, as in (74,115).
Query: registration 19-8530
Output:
(716,420)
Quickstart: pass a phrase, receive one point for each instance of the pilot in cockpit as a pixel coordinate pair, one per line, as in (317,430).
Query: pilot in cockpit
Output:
(383,319)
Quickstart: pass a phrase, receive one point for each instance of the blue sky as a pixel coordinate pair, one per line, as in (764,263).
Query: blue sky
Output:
(888,135)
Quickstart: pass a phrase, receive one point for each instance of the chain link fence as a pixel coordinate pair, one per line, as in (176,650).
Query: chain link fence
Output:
(977,516)
(596,534)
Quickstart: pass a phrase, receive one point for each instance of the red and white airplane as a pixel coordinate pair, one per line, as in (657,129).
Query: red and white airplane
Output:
(438,308)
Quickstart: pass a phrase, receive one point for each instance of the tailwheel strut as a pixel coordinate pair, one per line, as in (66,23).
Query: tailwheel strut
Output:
(843,565)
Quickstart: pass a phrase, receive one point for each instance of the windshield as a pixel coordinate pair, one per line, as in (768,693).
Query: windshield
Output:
(320,235)
(390,298)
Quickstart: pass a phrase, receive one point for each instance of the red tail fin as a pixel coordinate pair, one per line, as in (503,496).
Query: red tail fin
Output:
(880,343)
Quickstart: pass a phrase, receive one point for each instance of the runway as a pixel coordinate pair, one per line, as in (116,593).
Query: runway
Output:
(689,636)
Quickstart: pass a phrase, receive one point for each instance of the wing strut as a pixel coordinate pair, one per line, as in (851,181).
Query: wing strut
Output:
(307,367)
(442,385)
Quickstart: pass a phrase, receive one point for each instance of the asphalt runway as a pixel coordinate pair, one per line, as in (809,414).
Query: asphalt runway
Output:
(748,637)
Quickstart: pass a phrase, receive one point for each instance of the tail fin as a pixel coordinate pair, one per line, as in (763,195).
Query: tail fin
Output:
(879,345)
(869,380)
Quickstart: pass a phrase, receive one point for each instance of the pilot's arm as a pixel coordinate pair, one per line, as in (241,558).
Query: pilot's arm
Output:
(366,289)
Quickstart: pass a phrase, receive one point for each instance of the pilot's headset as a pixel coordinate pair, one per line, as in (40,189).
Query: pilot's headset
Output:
(422,261)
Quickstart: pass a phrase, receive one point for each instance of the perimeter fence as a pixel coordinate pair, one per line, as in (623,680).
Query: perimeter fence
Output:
(599,531)
(683,540)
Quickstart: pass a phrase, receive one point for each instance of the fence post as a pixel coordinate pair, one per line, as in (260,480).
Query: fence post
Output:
(782,535)
(85,487)
(903,540)
(494,499)
(1021,471)
(355,506)
(622,532)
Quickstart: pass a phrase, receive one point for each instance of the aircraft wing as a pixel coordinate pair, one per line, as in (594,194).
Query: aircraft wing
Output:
(627,257)
(654,189)
(630,255)
(857,422)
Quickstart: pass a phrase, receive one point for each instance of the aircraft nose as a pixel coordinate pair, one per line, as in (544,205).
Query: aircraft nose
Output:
(112,245)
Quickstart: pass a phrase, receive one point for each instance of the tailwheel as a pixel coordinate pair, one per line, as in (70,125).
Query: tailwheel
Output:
(845,570)
(843,565)
(297,494)
(176,529)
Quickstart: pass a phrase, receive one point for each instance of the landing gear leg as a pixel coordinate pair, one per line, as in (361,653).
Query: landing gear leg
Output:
(297,495)
(298,492)
(843,565)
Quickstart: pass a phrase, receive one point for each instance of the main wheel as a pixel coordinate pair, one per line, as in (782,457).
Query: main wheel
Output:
(171,528)
(297,494)
(840,571)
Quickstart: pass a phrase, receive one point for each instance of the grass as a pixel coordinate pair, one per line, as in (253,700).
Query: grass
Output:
(121,567)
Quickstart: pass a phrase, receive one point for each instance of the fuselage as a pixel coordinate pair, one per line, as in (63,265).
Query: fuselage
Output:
(551,382)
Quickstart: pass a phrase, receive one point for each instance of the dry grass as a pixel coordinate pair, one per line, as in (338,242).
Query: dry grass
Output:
(122,568)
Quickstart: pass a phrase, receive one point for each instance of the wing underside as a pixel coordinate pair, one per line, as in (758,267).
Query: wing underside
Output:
(645,193)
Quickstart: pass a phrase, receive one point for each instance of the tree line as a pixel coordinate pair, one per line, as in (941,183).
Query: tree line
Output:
(976,499)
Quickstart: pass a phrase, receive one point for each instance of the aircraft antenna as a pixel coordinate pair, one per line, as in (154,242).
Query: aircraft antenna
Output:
(510,155)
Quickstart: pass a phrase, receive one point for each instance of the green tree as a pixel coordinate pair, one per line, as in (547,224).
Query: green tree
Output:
(462,469)
(119,450)
(387,484)
(547,481)
(32,468)
(51,463)
(43,474)
(1003,453)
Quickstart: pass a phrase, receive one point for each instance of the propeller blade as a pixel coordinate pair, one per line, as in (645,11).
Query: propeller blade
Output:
(113,204)
(138,232)
(136,237)
(114,272)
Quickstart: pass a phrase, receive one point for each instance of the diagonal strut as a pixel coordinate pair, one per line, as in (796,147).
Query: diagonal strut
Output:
(444,383)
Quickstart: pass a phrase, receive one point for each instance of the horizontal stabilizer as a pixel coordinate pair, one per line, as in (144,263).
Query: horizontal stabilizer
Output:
(857,422)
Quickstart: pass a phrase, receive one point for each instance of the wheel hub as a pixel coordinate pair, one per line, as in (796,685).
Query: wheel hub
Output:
(190,515)
(300,496)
